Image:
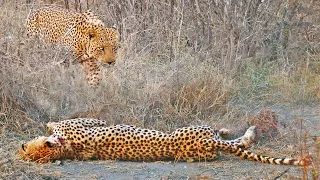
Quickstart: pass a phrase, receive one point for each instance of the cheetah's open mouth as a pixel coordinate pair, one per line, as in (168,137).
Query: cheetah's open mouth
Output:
(22,146)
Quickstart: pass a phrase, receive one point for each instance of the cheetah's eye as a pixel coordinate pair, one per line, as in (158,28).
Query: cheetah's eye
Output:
(102,49)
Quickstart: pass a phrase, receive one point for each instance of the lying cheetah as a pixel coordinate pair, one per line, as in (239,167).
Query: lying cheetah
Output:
(85,139)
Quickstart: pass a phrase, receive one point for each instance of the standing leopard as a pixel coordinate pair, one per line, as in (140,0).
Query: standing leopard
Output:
(92,43)
(85,139)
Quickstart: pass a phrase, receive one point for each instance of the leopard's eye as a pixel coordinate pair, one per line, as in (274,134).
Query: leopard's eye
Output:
(102,49)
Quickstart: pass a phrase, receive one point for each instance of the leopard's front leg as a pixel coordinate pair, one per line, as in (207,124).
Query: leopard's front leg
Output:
(92,71)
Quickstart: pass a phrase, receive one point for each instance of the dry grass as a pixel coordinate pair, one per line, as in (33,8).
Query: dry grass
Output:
(181,63)
(266,123)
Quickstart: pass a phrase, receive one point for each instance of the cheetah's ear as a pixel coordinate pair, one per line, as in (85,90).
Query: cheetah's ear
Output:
(51,125)
(50,142)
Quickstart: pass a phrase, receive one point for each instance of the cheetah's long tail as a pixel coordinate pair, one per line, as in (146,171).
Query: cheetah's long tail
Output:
(212,144)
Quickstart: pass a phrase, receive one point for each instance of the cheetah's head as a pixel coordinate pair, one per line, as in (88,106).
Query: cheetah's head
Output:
(42,149)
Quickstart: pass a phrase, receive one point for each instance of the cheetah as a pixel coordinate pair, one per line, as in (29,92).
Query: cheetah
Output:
(84,33)
(85,139)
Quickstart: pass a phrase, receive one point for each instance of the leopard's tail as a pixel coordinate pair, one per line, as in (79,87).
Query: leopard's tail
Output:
(30,11)
(212,144)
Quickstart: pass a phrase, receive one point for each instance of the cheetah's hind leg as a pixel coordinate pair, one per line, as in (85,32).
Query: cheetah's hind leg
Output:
(244,141)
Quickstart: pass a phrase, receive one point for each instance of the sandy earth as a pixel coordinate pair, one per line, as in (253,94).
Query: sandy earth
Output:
(226,168)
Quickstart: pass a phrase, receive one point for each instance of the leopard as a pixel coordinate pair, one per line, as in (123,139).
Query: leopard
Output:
(92,43)
(94,139)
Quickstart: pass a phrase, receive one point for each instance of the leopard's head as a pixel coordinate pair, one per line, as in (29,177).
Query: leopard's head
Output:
(102,44)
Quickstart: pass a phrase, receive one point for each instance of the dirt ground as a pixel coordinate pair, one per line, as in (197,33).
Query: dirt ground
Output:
(226,167)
